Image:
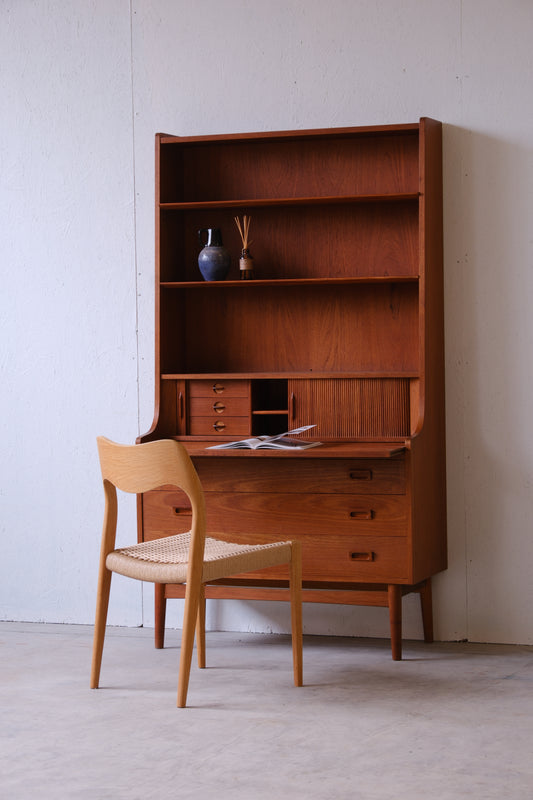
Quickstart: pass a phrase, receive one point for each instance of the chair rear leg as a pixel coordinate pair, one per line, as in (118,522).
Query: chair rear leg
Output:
(160,608)
(102,603)
(296,611)
(427,610)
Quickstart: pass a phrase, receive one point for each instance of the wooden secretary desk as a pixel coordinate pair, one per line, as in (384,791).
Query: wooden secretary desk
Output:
(341,327)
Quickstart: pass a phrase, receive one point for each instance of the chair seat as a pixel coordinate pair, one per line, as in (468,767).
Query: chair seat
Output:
(165,560)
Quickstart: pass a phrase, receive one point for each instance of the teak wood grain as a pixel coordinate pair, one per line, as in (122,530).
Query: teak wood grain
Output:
(343,328)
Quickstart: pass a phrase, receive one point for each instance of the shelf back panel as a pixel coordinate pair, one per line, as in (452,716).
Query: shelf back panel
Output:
(376,239)
(369,328)
(261,169)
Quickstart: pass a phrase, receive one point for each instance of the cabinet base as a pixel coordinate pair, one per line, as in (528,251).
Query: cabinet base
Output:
(364,594)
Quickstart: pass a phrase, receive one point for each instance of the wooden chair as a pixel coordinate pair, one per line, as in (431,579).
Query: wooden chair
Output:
(191,558)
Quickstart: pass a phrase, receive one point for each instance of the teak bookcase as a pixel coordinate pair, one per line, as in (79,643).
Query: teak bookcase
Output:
(342,327)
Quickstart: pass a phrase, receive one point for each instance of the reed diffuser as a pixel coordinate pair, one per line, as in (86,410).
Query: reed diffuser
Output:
(246,262)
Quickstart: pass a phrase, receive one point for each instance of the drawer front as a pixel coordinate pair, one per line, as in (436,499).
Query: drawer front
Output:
(222,425)
(219,388)
(243,514)
(340,558)
(309,475)
(221,407)
(319,514)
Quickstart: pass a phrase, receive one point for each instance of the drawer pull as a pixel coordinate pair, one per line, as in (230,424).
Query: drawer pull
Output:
(362,514)
(362,556)
(219,425)
(218,407)
(361,474)
(218,388)
(180,512)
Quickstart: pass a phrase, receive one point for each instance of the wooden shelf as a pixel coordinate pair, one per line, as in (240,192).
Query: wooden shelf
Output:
(276,202)
(280,282)
(214,376)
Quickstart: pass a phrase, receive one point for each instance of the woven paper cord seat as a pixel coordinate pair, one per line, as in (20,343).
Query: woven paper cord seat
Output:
(166,560)
(192,558)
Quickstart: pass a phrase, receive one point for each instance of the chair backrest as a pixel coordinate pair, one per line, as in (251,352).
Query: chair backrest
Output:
(139,468)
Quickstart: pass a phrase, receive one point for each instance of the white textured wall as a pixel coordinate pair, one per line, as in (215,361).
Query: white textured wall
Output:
(84,88)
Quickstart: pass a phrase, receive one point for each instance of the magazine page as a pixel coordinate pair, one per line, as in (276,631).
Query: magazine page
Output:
(277,442)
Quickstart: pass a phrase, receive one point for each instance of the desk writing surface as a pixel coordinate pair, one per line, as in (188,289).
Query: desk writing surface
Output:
(198,449)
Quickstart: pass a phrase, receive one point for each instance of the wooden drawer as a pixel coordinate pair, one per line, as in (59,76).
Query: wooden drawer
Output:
(274,515)
(219,388)
(220,407)
(221,425)
(340,558)
(309,475)
(306,514)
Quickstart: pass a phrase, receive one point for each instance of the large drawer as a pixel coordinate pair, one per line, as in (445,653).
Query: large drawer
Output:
(339,558)
(309,475)
(349,558)
(282,514)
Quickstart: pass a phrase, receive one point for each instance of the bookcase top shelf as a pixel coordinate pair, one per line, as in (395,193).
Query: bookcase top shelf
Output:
(319,133)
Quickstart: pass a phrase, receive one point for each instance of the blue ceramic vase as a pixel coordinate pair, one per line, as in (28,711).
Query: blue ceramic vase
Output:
(214,260)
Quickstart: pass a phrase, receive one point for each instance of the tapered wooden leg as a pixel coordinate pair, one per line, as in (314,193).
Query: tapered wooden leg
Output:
(395,616)
(426,603)
(192,593)
(102,603)
(160,608)
(200,629)
(296,612)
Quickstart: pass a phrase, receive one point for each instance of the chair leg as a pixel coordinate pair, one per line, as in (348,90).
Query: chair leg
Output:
(102,603)
(160,608)
(426,603)
(296,611)
(395,617)
(200,629)
(192,593)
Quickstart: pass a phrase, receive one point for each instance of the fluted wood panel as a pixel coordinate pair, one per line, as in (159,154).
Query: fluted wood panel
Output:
(356,407)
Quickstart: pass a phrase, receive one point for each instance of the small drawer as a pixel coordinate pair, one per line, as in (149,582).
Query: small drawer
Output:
(219,406)
(219,388)
(221,425)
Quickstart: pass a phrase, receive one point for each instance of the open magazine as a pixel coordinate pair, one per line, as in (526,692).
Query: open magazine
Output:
(279,442)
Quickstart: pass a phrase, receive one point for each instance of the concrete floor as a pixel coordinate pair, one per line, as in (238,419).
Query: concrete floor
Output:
(447,722)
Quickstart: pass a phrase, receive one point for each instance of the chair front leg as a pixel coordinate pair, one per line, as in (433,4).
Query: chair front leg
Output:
(200,628)
(192,598)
